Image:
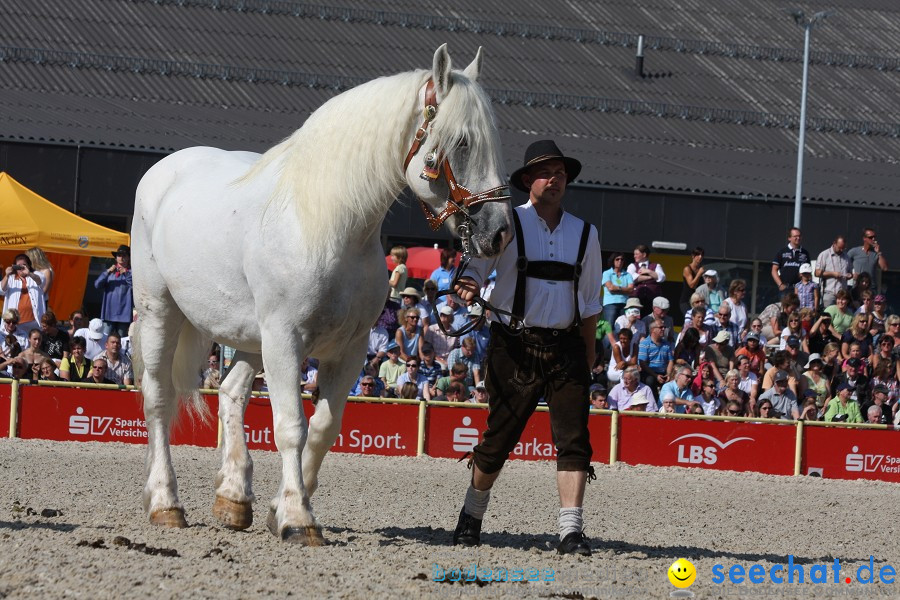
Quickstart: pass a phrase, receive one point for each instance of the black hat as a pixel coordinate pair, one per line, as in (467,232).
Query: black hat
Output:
(538,152)
(123,249)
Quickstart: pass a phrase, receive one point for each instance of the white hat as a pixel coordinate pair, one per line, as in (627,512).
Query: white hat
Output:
(722,336)
(639,401)
(446,310)
(711,273)
(806,268)
(475,310)
(633,303)
(661,302)
(95,329)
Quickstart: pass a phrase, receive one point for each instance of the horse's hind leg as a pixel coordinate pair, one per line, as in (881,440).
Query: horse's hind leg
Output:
(160,325)
(234,483)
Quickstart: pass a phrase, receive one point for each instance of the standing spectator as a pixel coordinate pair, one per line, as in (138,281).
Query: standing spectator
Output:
(55,341)
(868,257)
(806,289)
(648,276)
(398,277)
(391,369)
(840,312)
(656,358)
(617,286)
(782,399)
(660,316)
(786,266)
(409,336)
(118,302)
(95,338)
(691,276)
(443,275)
(442,343)
(712,293)
(468,355)
(834,269)
(735,301)
(119,366)
(842,407)
(23,291)
(42,265)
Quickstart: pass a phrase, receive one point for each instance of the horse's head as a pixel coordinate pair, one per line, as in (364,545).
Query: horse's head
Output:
(453,165)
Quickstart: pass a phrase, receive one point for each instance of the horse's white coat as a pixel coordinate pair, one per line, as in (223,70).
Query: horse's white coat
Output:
(279,257)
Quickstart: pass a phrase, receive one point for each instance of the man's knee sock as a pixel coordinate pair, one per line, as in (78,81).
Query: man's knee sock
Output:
(570,520)
(477,502)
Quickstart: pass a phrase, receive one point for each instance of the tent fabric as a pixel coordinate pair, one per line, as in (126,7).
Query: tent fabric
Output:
(27,220)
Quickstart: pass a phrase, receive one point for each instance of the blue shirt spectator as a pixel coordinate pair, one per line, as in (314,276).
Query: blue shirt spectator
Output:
(656,353)
(118,302)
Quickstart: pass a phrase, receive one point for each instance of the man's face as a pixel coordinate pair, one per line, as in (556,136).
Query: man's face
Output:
(682,379)
(466,350)
(868,237)
(794,237)
(793,350)
(451,302)
(839,245)
(710,281)
(113,344)
(879,398)
(630,381)
(98,370)
(547,180)
(639,256)
(655,332)
(781,386)
(658,312)
(697,321)
(367,387)
(723,316)
(844,394)
(458,376)
(752,344)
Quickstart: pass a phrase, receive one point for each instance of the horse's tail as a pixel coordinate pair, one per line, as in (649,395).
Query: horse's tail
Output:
(191,354)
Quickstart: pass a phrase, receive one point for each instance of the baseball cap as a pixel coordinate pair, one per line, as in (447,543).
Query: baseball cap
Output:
(597,387)
(881,388)
(711,273)
(781,376)
(475,310)
(793,341)
(845,386)
(392,347)
(446,310)
(854,362)
(806,268)
(810,393)
(722,336)
(753,336)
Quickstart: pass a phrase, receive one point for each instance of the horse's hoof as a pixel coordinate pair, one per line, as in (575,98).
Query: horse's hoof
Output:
(171,517)
(310,535)
(233,515)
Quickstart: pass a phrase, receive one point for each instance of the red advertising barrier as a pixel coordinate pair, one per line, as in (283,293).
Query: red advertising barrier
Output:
(839,453)
(733,446)
(96,415)
(5,399)
(385,429)
(450,432)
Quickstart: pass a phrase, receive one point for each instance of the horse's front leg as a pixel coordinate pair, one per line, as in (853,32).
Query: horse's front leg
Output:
(234,483)
(290,514)
(335,379)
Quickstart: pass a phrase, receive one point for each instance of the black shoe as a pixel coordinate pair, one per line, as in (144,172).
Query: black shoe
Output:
(468,530)
(574,543)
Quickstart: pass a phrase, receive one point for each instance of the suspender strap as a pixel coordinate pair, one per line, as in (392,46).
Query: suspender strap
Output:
(518,307)
(582,248)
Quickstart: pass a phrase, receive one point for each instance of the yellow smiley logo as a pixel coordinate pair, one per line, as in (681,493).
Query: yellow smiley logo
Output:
(682,573)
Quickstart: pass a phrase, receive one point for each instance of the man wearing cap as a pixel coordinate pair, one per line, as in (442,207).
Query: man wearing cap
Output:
(392,368)
(833,269)
(854,376)
(550,278)
(94,336)
(720,354)
(118,303)
(660,315)
(842,407)
(442,343)
(783,399)
(786,266)
(482,333)
(711,291)
(879,400)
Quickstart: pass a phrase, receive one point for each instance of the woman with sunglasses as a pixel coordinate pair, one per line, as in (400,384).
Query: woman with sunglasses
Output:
(858,333)
(765,410)
(409,335)
(732,394)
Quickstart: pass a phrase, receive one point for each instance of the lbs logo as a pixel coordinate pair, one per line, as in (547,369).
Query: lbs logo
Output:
(84,425)
(706,454)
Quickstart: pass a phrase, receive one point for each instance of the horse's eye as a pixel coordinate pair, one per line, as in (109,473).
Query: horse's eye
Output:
(464,142)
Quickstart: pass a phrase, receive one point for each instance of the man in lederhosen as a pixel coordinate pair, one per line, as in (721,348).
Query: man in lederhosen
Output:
(550,278)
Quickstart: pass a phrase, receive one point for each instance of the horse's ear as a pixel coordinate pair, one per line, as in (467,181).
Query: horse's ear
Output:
(474,68)
(441,70)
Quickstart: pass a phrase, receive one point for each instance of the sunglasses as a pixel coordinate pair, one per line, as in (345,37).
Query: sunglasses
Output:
(367,384)
(413,366)
(734,412)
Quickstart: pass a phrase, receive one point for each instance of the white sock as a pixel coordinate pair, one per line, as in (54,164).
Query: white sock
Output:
(570,520)
(477,502)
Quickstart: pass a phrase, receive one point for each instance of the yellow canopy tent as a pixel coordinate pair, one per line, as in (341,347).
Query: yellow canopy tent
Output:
(27,220)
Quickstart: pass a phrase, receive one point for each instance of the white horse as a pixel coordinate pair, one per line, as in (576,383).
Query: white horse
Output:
(279,257)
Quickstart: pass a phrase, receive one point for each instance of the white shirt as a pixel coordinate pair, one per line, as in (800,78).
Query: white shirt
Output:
(660,274)
(547,303)
(378,340)
(749,383)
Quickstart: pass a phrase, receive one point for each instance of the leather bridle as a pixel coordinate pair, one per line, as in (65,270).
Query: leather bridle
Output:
(461,198)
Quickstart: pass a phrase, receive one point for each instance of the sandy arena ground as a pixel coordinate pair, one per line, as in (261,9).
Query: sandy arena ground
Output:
(71,526)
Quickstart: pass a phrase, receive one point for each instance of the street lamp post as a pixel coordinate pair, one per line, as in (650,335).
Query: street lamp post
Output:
(807,25)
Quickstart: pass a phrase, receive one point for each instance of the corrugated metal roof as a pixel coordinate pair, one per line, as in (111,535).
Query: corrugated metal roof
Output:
(717,112)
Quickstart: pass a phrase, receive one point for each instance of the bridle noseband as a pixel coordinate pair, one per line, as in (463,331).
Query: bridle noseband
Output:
(461,198)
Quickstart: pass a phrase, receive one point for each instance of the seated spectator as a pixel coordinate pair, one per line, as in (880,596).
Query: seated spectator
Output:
(99,370)
(467,355)
(806,289)
(47,370)
(33,349)
(774,316)
(831,358)
(797,359)
(411,298)
(624,393)
(696,409)
(885,355)
(391,369)
(660,315)
(388,317)
(456,392)
(13,339)
(656,358)
(733,409)
(749,382)
(808,410)
(842,407)
(874,415)
(732,393)
(55,342)
(689,350)
(408,390)
(15,368)
(765,410)
(755,326)
(640,404)
(697,301)
(76,321)
(120,370)
(429,367)
(723,323)
(377,349)
(692,277)
(482,333)
(706,371)
(668,403)
(879,400)
(75,367)
(712,293)
(781,361)
(428,302)
(632,320)
(598,396)
(698,324)
(95,338)
(855,377)
(814,380)
(859,333)
(458,374)
(821,334)
(720,354)
(878,316)
(23,290)
(840,312)
(782,399)
(679,389)
(793,329)
(480,395)
(369,387)
(623,356)
(756,356)
(885,377)
(708,399)
(735,301)
(460,312)
(412,376)
(409,335)
(442,343)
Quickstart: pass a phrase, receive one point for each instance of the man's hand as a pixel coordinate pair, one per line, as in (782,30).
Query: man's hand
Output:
(466,289)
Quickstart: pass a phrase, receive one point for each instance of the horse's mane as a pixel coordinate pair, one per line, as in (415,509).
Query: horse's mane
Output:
(344,167)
